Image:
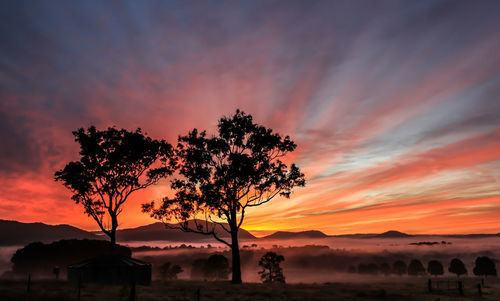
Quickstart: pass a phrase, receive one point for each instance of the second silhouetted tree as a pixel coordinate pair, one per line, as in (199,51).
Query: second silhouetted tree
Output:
(221,176)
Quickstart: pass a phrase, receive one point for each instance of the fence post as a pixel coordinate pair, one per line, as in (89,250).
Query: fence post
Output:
(29,283)
(479,290)
(460,288)
(198,294)
(429,285)
(132,290)
(79,285)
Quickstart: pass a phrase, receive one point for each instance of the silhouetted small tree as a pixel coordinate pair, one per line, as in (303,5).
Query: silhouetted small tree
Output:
(217,267)
(435,268)
(351,269)
(385,269)
(113,164)
(198,269)
(370,269)
(169,271)
(416,268)
(271,270)
(223,175)
(485,267)
(399,267)
(457,267)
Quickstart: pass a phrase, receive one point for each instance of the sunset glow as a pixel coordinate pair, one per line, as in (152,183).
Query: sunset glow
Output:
(394,106)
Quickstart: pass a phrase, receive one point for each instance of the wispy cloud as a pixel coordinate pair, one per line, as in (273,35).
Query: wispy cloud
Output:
(394,106)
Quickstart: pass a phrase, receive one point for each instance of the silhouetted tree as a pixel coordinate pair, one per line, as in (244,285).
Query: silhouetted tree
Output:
(271,270)
(113,164)
(385,269)
(416,268)
(169,271)
(370,268)
(223,175)
(198,269)
(399,267)
(435,268)
(40,259)
(217,267)
(485,267)
(351,269)
(457,267)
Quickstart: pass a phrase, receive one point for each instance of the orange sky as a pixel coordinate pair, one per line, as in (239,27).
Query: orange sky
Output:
(395,108)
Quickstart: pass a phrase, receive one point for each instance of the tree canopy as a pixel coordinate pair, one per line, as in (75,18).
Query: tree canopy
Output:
(485,267)
(271,270)
(399,267)
(435,268)
(113,164)
(223,175)
(457,267)
(169,271)
(215,267)
(416,268)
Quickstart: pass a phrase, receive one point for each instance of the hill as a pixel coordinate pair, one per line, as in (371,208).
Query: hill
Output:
(392,234)
(296,235)
(16,233)
(387,234)
(158,231)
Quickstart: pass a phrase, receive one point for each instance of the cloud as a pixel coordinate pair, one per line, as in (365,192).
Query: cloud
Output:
(380,97)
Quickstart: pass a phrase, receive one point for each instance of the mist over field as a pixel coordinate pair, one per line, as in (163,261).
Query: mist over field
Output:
(327,259)
(313,260)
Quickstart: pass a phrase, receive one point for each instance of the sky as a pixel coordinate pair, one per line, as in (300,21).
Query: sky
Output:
(394,105)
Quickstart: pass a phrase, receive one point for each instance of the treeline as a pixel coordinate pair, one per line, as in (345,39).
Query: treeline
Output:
(41,260)
(217,267)
(484,266)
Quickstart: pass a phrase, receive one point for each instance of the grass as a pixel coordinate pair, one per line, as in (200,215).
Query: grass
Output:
(384,289)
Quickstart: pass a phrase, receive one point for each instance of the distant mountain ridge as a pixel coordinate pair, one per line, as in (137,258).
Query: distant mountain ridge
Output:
(392,234)
(387,234)
(14,233)
(295,235)
(159,231)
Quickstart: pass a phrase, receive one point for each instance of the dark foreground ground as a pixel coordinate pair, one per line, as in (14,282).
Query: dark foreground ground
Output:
(387,289)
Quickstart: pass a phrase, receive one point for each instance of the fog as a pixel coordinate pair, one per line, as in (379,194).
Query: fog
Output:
(5,256)
(313,260)
(329,259)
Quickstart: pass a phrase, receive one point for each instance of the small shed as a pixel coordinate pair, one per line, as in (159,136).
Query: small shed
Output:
(111,269)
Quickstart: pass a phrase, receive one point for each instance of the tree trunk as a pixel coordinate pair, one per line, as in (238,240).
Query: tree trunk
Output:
(112,235)
(236,262)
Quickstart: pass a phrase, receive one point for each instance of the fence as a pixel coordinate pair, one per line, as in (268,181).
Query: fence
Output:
(462,286)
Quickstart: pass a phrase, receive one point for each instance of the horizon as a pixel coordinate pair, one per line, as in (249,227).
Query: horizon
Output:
(269,232)
(394,106)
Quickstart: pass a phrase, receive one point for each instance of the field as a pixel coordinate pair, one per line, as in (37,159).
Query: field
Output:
(392,288)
